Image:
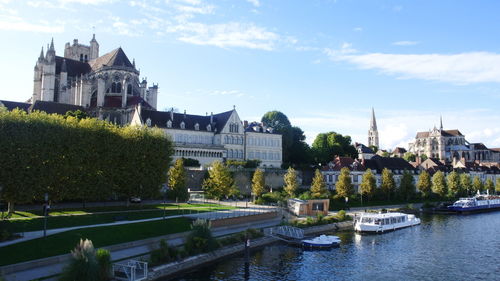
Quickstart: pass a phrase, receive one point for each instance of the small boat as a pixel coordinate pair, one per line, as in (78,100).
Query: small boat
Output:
(322,241)
(379,223)
(478,203)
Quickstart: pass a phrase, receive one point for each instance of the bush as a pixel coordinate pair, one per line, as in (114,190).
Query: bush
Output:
(200,240)
(259,201)
(272,197)
(161,255)
(428,205)
(104,260)
(341,215)
(83,264)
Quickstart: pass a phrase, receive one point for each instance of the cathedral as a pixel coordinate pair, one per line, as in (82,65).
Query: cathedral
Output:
(107,87)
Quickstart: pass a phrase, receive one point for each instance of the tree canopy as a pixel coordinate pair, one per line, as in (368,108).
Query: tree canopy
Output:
(453,182)
(388,185)
(368,184)
(291,183)
(177,181)
(258,182)
(326,145)
(318,186)
(424,184)
(465,183)
(220,182)
(439,184)
(477,184)
(344,186)
(407,186)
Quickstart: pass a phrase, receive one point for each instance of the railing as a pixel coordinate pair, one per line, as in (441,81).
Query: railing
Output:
(131,270)
(287,231)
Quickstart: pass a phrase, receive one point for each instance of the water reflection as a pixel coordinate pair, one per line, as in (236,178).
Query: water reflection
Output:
(441,248)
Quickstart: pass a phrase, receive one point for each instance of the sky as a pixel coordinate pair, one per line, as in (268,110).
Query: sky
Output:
(324,63)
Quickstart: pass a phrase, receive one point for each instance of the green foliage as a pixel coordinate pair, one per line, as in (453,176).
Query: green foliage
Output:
(368,184)
(258,183)
(344,187)
(291,183)
(326,145)
(387,184)
(321,220)
(497,185)
(104,261)
(477,184)
(410,157)
(240,237)
(219,183)
(200,240)
(342,215)
(453,182)
(163,254)
(318,187)
(83,265)
(78,114)
(177,181)
(424,184)
(465,183)
(272,197)
(439,184)
(374,148)
(190,162)
(407,186)
(423,157)
(249,164)
(305,196)
(78,159)
(490,186)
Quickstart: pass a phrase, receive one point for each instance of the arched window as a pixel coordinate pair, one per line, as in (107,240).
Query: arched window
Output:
(118,87)
(86,58)
(113,87)
(169,124)
(129,89)
(81,57)
(209,128)
(183,125)
(197,127)
(148,122)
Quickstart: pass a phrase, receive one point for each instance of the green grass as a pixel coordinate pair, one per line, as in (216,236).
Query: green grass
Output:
(34,224)
(63,243)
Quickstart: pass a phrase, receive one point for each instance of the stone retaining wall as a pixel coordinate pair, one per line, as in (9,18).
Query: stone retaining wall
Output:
(243,219)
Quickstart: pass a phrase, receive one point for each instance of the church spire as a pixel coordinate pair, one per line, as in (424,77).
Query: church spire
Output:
(441,122)
(373,132)
(373,122)
(52,44)
(41,57)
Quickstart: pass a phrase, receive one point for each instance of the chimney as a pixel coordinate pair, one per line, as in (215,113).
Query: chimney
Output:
(184,114)
(211,117)
(245,124)
(172,114)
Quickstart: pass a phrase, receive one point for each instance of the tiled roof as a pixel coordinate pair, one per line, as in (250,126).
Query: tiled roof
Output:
(160,119)
(478,146)
(256,127)
(54,107)
(73,67)
(399,150)
(445,133)
(114,58)
(11,105)
(392,163)
(364,148)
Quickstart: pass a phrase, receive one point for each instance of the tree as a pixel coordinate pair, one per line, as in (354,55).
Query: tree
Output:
(424,184)
(490,186)
(177,180)
(219,183)
(453,181)
(344,186)
(439,184)
(407,186)
(465,183)
(497,185)
(368,184)
(291,183)
(387,185)
(258,183)
(477,184)
(78,114)
(410,157)
(423,157)
(326,145)
(318,186)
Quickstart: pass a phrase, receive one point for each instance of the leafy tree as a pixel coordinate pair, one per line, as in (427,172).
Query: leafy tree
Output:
(465,183)
(477,184)
(291,183)
(453,181)
(424,184)
(277,120)
(258,183)
(177,181)
(374,148)
(490,186)
(219,183)
(368,184)
(326,145)
(318,187)
(386,154)
(78,114)
(497,185)
(410,157)
(387,185)
(439,184)
(344,186)
(190,162)
(423,157)
(407,185)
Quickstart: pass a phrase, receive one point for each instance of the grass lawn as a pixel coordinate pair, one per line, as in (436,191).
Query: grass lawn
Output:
(63,243)
(34,224)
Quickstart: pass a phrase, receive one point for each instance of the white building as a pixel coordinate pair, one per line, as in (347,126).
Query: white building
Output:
(213,137)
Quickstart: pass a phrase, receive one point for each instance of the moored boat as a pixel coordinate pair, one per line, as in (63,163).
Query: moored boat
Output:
(478,203)
(379,223)
(322,241)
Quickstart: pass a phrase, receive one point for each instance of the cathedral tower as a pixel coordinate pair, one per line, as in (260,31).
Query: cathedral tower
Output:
(373,132)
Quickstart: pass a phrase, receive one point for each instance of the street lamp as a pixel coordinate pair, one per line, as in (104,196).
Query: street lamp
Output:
(164,190)
(46,208)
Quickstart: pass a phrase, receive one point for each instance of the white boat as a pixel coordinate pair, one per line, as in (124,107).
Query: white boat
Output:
(379,223)
(322,241)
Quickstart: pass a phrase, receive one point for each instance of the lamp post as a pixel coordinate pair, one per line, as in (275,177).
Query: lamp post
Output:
(45,213)
(164,190)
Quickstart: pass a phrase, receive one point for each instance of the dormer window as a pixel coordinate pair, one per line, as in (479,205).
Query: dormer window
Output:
(197,127)
(209,128)
(183,125)
(169,124)
(148,122)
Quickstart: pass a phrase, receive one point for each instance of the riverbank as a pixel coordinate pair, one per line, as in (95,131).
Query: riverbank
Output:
(176,268)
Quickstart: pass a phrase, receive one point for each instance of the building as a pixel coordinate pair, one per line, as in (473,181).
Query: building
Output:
(451,145)
(364,152)
(221,136)
(308,207)
(107,87)
(373,132)
(398,152)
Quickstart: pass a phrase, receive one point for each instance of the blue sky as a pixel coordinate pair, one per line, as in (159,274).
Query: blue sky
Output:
(324,63)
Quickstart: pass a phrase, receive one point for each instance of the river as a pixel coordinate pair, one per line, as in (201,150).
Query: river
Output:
(443,247)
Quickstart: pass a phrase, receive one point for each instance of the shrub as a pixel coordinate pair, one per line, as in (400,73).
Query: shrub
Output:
(160,255)
(272,197)
(83,264)
(259,201)
(104,260)
(427,205)
(341,215)
(200,240)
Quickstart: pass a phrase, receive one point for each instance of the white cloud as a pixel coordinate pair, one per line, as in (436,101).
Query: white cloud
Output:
(405,43)
(463,68)
(256,3)
(233,34)
(12,23)
(358,29)
(233,93)
(86,2)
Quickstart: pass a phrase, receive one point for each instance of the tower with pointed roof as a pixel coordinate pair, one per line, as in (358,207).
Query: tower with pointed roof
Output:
(373,132)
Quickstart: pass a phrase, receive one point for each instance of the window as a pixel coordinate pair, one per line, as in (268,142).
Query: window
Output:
(317,206)
(129,89)
(81,57)
(148,122)
(183,125)
(209,128)
(169,124)
(197,127)
(86,58)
